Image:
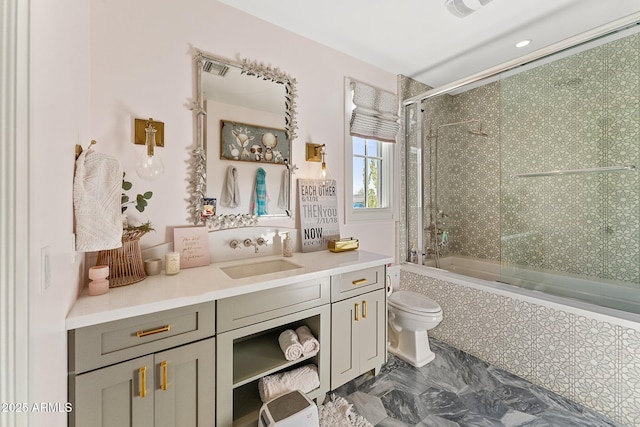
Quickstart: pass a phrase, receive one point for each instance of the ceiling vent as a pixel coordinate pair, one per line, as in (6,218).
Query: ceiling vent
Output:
(215,68)
(462,8)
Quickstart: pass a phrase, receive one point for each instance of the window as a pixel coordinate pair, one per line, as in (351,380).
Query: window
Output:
(370,162)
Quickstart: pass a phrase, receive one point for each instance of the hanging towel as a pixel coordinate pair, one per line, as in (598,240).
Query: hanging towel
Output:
(290,345)
(97,193)
(283,197)
(304,379)
(230,188)
(259,197)
(309,343)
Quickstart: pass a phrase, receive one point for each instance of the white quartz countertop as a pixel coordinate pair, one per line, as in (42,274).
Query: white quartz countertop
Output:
(210,283)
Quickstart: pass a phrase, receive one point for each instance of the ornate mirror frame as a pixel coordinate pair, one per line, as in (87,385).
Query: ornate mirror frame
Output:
(198,172)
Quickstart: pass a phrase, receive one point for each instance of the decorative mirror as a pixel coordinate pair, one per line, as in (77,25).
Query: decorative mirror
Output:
(244,115)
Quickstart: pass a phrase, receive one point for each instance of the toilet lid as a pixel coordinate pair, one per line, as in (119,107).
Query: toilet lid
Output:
(413,301)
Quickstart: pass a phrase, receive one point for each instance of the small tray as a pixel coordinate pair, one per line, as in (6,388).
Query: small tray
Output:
(343,245)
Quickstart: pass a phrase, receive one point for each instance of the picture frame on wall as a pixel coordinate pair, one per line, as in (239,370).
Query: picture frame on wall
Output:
(253,143)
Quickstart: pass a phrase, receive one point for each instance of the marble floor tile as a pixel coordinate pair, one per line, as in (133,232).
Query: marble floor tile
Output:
(459,390)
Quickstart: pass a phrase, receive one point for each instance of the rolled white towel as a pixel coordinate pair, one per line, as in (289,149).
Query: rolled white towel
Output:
(290,345)
(304,378)
(310,345)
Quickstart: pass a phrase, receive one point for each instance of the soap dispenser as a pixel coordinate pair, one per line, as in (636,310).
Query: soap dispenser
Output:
(287,246)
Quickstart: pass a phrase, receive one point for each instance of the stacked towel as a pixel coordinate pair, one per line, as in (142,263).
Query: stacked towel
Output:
(290,345)
(230,189)
(304,379)
(309,343)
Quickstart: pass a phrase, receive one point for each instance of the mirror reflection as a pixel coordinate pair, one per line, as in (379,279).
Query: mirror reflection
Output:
(247,133)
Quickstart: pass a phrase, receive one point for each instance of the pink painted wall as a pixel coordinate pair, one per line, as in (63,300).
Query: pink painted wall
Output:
(141,67)
(95,66)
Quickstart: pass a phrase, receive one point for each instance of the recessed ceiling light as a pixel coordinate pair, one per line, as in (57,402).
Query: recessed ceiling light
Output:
(523,43)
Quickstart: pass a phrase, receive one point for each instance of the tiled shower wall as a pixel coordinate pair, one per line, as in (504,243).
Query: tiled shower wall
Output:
(590,361)
(581,111)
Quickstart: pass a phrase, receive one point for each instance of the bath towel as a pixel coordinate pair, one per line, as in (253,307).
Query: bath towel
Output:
(290,345)
(97,192)
(259,197)
(304,379)
(230,189)
(309,343)
(283,197)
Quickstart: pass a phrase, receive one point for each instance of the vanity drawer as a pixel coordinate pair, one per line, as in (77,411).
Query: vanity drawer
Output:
(357,282)
(255,307)
(112,342)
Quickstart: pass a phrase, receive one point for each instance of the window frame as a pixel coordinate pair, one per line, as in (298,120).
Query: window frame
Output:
(388,184)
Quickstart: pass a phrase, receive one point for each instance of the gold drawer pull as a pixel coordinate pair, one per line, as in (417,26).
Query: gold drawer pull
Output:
(143,381)
(359,281)
(141,334)
(163,365)
(364,309)
(357,317)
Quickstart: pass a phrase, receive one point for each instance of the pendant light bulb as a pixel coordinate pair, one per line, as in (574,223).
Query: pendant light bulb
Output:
(150,165)
(324,165)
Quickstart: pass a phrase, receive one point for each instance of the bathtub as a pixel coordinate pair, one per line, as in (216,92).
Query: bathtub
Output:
(594,295)
(586,352)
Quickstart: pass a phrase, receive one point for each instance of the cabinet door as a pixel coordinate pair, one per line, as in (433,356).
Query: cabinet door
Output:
(344,359)
(185,386)
(116,396)
(371,331)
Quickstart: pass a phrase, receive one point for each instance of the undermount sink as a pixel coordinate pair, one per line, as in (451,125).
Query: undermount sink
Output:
(257,268)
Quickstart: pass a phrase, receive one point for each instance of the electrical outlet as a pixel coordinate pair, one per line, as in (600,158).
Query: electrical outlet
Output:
(45,268)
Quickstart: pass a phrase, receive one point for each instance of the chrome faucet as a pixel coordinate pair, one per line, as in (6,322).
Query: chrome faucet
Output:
(234,244)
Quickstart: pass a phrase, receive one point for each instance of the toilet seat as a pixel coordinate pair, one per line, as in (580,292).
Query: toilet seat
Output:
(413,302)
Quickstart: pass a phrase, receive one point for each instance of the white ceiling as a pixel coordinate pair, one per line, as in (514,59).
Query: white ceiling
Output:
(422,40)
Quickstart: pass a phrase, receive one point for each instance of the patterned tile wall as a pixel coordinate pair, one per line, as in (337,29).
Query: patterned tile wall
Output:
(577,112)
(591,362)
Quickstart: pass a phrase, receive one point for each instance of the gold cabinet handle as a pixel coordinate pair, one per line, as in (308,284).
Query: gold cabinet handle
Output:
(364,309)
(163,366)
(357,314)
(143,381)
(359,282)
(141,334)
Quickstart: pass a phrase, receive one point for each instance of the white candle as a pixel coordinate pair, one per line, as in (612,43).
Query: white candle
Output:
(172,263)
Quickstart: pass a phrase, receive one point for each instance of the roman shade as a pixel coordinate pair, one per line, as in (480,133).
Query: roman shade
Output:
(375,115)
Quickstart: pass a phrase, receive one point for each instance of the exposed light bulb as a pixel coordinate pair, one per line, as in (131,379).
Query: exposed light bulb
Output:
(150,165)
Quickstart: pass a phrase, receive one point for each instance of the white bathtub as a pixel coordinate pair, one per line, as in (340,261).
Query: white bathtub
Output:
(594,295)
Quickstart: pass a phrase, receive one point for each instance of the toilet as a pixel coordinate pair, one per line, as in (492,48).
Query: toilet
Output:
(411,315)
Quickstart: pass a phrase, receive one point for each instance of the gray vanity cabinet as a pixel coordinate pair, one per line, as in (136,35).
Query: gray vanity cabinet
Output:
(247,344)
(156,370)
(358,324)
(174,388)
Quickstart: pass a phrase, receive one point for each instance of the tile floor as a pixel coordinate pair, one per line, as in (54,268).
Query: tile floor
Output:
(458,389)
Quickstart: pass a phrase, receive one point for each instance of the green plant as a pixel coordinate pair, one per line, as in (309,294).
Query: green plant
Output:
(140,200)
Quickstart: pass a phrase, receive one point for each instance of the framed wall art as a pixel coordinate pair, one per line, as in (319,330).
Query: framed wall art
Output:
(252,143)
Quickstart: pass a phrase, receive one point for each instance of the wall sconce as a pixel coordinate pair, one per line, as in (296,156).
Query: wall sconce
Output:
(317,153)
(151,134)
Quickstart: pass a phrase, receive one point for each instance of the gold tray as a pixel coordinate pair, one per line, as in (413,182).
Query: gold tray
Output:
(343,245)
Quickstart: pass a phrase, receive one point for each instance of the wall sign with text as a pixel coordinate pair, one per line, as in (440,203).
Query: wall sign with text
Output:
(319,221)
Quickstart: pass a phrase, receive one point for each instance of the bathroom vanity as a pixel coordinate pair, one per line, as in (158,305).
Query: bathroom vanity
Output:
(190,349)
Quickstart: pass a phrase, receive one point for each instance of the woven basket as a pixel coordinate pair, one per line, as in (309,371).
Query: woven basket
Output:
(125,263)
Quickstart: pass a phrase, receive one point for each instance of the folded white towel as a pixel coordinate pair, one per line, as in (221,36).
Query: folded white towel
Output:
(310,345)
(304,378)
(290,345)
(230,189)
(97,193)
